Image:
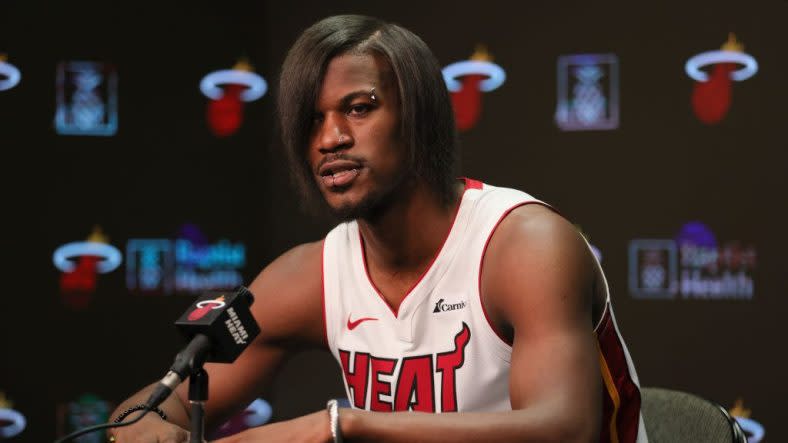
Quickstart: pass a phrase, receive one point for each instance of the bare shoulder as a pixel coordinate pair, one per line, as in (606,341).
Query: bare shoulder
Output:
(288,296)
(536,261)
(537,233)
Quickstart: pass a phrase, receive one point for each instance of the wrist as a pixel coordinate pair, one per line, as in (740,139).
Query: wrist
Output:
(350,422)
(140,407)
(334,425)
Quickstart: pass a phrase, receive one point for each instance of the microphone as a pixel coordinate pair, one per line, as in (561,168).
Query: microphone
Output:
(218,327)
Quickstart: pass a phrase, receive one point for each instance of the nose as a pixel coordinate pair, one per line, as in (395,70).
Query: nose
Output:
(333,134)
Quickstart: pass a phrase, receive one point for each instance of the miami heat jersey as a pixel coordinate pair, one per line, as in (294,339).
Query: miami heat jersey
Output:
(437,352)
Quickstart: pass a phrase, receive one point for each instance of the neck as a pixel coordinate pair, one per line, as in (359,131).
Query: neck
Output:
(407,236)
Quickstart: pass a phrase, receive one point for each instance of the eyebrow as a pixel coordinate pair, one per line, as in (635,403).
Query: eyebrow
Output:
(347,99)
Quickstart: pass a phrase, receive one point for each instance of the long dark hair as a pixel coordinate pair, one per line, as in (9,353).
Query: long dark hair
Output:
(427,120)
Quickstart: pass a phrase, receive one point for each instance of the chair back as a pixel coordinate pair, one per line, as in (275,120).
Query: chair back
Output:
(678,417)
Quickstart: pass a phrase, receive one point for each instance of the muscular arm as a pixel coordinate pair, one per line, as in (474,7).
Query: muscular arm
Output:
(289,311)
(537,286)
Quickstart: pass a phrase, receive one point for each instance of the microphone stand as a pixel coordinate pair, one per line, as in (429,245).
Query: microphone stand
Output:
(198,394)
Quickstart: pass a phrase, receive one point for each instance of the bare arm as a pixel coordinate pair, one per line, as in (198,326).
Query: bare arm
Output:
(537,287)
(289,311)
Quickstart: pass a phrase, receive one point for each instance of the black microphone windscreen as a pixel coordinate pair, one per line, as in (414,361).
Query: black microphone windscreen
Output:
(226,318)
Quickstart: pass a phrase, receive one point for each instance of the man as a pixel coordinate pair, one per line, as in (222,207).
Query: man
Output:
(434,294)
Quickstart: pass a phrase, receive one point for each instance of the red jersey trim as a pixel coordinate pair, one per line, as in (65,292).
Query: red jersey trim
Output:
(323,290)
(472,184)
(469,184)
(621,413)
(609,431)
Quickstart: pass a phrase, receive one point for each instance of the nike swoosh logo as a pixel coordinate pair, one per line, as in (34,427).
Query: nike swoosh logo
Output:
(351,325)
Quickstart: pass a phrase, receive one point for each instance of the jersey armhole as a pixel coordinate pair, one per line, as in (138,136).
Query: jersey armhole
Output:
(323,293)
(481,267)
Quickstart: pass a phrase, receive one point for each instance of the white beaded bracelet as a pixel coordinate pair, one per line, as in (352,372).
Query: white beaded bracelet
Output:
(333,419)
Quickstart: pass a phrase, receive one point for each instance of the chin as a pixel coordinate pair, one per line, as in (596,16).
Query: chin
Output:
(347,211)
(367,207)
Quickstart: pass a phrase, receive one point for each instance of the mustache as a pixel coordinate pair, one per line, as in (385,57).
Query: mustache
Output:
(338,156)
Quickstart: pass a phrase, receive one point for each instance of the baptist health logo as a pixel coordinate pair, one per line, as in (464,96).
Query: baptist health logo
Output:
(164,266)
(692,266)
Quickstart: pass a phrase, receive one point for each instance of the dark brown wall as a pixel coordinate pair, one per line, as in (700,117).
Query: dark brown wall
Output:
(661,168)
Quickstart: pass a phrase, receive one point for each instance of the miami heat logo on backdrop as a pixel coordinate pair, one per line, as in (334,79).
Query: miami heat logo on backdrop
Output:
(711,95)
(225,110)
(477,75)
(12,422)
(81,262)
(9,74)
(754,430)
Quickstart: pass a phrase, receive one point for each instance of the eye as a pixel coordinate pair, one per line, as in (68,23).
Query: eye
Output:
(359,109)
(317,121)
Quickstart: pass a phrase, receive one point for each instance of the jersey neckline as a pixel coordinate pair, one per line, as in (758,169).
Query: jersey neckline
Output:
(451,238)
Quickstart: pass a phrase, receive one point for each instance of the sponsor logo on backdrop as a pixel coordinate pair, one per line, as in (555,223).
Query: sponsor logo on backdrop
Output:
(258,413)
(188,264)
(81,262)
(87,410)
(754,430)
(12,422)
(693,265)
(227,90)
(587,92)
(711,94)
(87,99)
(467,80)
(9,74)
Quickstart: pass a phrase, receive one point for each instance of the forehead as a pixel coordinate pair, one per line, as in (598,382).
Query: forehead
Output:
(349,73)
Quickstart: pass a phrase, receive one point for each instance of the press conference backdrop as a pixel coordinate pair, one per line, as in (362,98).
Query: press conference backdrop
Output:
(658,129)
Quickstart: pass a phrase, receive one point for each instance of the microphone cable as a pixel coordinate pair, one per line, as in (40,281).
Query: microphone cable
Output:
(94,428)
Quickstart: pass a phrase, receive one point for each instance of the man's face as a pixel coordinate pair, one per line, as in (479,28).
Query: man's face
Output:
(356,151)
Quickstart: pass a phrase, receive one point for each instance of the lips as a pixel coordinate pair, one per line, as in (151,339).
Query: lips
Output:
(338,173)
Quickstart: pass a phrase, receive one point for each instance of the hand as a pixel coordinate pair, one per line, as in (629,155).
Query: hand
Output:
(312,428)
(151,429)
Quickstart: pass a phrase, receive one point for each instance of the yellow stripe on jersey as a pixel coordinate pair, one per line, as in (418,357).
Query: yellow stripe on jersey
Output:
(611,389)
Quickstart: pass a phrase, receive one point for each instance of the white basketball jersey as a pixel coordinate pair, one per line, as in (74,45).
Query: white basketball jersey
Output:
(438,352)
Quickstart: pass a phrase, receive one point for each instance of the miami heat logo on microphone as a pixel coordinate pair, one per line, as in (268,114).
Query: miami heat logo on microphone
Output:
(225,110)
(711,95)
(479,74)
(205,306)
